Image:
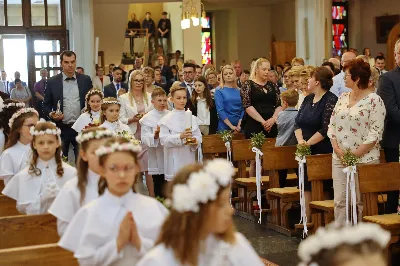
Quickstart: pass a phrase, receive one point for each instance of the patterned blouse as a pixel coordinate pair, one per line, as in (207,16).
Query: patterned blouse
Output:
(362,123)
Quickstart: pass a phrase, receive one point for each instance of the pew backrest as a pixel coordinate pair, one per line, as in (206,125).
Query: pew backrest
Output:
(8,206)
(319,167)
(379,177)
(242,152)
(28,230)
(43,255)
(279,158)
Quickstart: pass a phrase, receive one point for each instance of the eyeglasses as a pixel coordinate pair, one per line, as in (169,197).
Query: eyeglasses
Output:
(139,80)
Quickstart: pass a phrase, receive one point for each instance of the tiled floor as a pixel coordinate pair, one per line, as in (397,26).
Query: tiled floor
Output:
(273,246)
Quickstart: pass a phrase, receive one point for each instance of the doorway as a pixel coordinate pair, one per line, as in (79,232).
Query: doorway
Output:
(14,54)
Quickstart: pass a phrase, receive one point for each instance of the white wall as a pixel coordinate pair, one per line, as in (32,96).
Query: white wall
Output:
(362,26)
(283,21)
(174,11)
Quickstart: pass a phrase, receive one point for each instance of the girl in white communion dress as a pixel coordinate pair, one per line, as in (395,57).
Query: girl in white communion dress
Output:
(35,187)
(91,116)
(120,226)
(201,216)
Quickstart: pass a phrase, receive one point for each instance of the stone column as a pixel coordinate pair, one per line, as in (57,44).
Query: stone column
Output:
(313,30)
(81,33)
(192,36)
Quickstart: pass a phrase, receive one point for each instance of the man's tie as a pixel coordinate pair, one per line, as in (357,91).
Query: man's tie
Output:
(117,87)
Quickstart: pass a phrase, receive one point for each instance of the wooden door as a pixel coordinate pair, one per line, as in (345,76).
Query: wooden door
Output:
(394,35)
(282,52)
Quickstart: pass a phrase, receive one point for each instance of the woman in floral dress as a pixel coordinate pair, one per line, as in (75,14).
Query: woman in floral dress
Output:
(357,124)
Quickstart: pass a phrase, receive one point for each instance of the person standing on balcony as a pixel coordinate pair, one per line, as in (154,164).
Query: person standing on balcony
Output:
(132,31)
(148,23)
(164,29)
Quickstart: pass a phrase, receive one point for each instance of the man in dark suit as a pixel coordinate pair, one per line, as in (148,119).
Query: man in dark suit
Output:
(64,98)
(389,91)
(117,87)
(4,83)
(166,71)
(189,72)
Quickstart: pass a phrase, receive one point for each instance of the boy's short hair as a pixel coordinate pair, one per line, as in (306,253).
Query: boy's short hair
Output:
(176,87)
(158,92)
(290,96)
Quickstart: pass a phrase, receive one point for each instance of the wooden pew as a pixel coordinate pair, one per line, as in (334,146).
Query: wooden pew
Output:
(281,199)
(373,179)
(213,145)
(242,153)
(27,230)
(319,168)
(43,255)
(8,206)
(1,185)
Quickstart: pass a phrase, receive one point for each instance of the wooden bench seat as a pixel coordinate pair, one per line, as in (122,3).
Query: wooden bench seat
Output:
(39,255)
(323,205)
(387,221)
(283,192)
(27,230)
(8,206)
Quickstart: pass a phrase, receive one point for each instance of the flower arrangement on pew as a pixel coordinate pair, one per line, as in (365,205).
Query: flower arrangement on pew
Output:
(350,161)
(227,136)
(302,151)
(256,142)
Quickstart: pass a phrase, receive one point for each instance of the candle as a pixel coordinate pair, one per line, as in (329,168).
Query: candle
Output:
(188,119)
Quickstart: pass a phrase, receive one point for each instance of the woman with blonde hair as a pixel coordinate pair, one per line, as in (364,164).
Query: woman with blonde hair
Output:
(228,102)
(149,76)
(261,101)
(134,105)
(373,80)
(212,80)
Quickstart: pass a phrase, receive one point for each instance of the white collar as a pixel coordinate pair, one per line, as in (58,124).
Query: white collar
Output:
(19,144)
(119,201)
(46,164)
(95,113)
(93,177)
(112,124)
(178,111)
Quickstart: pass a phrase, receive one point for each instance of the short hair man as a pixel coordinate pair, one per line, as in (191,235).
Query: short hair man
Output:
(338,81)
(80,70)
(380,64)
(117,86)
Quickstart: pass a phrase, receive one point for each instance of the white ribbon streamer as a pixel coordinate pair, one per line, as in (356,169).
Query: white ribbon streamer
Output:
(258,177)
(200,154)
(352,203)
(228,151)
(303,218)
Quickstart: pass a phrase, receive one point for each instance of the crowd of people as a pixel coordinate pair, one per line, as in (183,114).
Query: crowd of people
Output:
(150,122)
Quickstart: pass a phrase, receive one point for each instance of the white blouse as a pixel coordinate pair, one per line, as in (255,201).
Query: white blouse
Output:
(128,111)
(97,82)
(84,120)
(116,126)
(203,113)
(93,231)
(155,151)
(363,123)
(34,194)
(216,253)
(68,201)
(13,160)
(176,153)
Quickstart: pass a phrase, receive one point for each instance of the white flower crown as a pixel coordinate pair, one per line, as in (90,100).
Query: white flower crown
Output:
(328,238)
(98,134)
(116,146)
(93,91)
(111,102)
(20,112)
(202,186)
(56,132)
(8,105)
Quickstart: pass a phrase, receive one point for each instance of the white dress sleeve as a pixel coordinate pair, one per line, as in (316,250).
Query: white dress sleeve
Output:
(102,256)
(31,208)
(168,140)
(6,167)
(123,113)
(147,137)
(243,253)
(196,134)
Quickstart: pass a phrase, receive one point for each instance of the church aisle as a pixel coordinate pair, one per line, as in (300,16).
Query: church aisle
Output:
(275,247)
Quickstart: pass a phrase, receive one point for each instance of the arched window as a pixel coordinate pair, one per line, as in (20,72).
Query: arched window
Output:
(340,26)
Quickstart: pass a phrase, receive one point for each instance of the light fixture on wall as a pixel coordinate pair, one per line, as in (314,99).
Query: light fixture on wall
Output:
(190,12)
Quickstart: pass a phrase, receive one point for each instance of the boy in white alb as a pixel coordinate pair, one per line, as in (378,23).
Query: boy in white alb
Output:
(174,135)
(150,136)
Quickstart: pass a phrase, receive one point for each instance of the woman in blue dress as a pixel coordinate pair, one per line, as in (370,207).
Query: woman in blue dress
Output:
(228,102)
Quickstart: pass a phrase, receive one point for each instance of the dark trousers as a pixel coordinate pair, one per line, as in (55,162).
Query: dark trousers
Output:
(159,182)
(39,108)
(68,136)
(392,155)
(283,175)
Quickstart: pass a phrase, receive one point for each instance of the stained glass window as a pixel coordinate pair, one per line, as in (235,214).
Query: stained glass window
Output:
(339,27)
(206,40)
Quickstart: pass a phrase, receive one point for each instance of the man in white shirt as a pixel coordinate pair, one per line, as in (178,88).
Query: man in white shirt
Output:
(338,81)
(380,64)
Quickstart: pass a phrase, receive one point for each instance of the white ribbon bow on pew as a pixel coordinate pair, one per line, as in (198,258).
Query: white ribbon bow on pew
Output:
(200,154)
(303,218)
(258,177)
(228,151)
(351,171)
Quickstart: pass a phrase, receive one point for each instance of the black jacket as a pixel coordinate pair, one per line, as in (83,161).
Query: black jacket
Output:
(389,91)
(54,92)
(111,91)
